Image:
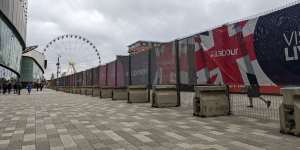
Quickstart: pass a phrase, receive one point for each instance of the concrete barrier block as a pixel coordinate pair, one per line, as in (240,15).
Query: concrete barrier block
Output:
(290,111)
(89,91)
(138,94)
(120,94)
(106,92)
(165,96)
(83,91)
(211,101)
(96,92)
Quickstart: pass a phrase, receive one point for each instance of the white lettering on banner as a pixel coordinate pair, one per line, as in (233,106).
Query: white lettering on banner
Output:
(139,72)
(224,53)
(293,48)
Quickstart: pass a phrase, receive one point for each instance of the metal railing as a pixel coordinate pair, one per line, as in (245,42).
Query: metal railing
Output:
(240,103)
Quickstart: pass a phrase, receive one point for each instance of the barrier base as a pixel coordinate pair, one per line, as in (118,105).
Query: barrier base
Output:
(138,94)
(96,92)
(106,93)
(165,96)
(120,94)
(211,101)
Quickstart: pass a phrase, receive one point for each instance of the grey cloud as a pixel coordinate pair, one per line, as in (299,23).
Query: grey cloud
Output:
(113,24)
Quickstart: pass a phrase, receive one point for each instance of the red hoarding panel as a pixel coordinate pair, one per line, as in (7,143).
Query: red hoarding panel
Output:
(122,71)
(102,76)
(186,61)
(111,74)
(163,64)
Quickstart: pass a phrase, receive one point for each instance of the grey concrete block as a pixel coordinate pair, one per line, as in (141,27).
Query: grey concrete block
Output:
(138,94)
(165,96)
(120,94)
(106,92)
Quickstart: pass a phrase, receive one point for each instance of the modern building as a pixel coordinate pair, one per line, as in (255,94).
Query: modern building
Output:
(13,20)
(141,46)
(32,67)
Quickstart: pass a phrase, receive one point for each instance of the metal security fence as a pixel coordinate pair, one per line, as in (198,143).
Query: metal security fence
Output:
(240,103)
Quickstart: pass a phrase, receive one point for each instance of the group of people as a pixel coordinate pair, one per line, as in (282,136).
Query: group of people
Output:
(8,87)
(15,86)
(39,87)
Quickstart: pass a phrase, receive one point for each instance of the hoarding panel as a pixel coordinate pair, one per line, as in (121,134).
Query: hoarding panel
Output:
(140,68)
(111,74)
(277,46)
(163,64)
(122,71)
(96,76)
(102,76)
(187,61)
(84,78)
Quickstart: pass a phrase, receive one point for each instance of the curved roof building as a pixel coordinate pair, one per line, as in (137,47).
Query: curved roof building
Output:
(13,20)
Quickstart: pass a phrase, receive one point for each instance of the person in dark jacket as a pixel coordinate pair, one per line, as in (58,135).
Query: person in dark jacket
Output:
(9,87)
(4,86)
(29,88)
(15,87)
(253,92)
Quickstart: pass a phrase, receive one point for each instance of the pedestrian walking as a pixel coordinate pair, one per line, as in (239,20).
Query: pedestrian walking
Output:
(15,87)
(29,87)
(253,92)
(9,87)
(41,86)
(4,86)
(19,87)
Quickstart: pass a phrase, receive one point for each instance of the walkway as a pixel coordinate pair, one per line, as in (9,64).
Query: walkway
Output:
(58,121)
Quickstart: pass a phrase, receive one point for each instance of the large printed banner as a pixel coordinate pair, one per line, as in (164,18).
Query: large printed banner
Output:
(96,76)
(187,61)
(111,74)
(226,55)
(140,68)
(163,64)
(102,76)
(277,45)
(263,51)
(122,71)
(84,79)
(78,79)
(89,77)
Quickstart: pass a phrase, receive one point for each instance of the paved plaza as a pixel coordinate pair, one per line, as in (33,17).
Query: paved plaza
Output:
(58,121)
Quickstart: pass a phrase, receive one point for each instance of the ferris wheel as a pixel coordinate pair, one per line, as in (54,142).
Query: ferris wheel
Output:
(68,54)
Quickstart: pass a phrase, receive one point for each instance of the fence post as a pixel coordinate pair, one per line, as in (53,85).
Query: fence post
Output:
(149,74)
(116,73)
(178,84)
(129,71)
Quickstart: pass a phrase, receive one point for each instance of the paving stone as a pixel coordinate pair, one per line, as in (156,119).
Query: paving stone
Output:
(58,121)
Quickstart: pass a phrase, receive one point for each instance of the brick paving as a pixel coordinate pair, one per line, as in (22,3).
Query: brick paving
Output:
(59,121)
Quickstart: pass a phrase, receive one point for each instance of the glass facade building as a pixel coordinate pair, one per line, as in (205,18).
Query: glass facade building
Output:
(13,19)
(32,66)
(31,71)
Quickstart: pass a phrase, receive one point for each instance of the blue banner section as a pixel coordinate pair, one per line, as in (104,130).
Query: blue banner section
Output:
(277,45)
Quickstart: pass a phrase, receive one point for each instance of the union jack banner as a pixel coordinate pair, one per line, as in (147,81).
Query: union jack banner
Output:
(226,55)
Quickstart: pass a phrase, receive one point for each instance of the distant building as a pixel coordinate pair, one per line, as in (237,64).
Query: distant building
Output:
(141,46)
(33,66)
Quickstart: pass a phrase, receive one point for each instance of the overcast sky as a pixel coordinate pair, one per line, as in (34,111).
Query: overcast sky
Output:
(114,24)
